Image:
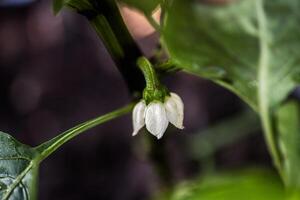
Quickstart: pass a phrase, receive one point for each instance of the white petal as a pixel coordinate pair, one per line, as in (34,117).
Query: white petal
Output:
(174,107)
(156,119)
(138,119)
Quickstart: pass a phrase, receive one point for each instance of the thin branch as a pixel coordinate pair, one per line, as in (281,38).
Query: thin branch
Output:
(52,145)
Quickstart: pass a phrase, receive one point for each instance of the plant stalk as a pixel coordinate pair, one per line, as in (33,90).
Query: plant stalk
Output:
(110,27)
(152,81)
(52,145)
(263,91)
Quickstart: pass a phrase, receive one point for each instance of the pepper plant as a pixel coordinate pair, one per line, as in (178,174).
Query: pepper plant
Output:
(250,47)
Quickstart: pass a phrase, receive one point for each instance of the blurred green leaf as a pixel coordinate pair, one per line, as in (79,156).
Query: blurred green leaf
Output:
(247,46)
(18,170)
(251,184)
(288,117)
(206,142)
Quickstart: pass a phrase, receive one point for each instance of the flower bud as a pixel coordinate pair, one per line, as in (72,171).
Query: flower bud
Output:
(157,115)
(156,119)
(174,107)
(138,118)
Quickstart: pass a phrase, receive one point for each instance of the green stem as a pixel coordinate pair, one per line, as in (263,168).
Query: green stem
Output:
(52,145)
(152,81)
(263,90)
(153,23)
(110,27)
(158,156)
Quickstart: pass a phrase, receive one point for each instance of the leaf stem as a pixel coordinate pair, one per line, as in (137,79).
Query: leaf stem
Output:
(52,145)
(263,90)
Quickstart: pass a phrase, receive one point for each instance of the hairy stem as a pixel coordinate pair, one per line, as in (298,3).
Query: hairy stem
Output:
(152,81)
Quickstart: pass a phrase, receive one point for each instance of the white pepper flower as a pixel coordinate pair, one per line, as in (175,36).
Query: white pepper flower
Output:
(157,115)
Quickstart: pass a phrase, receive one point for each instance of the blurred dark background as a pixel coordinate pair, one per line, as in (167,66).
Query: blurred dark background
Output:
(56,73)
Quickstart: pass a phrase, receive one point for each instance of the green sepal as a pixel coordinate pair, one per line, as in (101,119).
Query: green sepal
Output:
(158,94)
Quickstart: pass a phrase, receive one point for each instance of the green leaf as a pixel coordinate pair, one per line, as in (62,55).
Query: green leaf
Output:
(247,46)
(247,185)
(288,117)
(18,169)
(19,163)
(146,6)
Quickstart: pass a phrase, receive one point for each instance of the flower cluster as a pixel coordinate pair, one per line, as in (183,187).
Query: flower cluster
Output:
(157,115)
